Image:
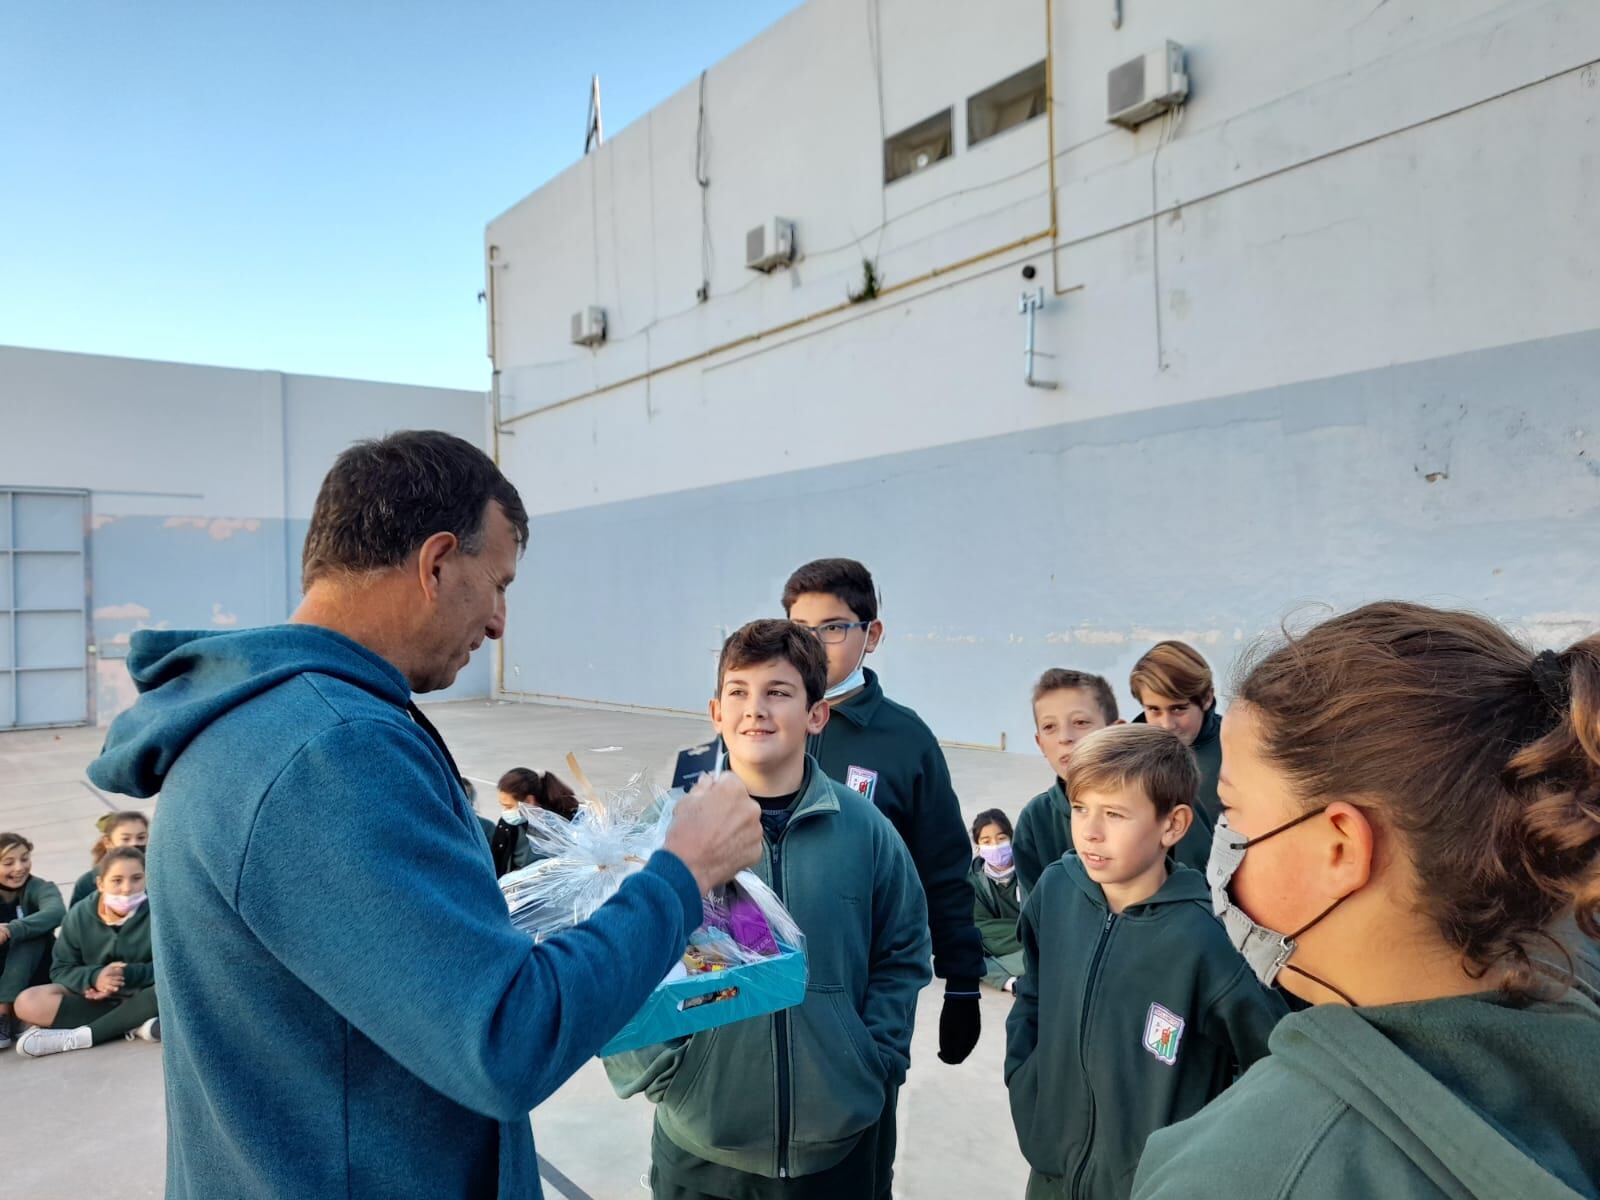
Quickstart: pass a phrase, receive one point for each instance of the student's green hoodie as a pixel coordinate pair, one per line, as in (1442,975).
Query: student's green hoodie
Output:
(790,1094)
(1196,845)
(1043,834)
(39,911)
(995,909)
(87,945)
(1461,1097)
(1123,1023)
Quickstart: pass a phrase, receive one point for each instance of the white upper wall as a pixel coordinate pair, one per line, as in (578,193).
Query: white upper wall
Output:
(1351,185)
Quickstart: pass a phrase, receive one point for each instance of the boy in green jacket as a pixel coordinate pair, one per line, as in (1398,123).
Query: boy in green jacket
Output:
(102,977)
(1134,1010)
(995,903)
(799,1103)
(30,910)
(1067,707)
(885,752)
(1172,684)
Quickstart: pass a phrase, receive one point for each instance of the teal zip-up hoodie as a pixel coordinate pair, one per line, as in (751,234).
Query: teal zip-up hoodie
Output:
(790,1094)
(346,1008)
(1195,847)
(87,945)
(1466,1097)
(1123,1024)
(1043,834)
(884,751)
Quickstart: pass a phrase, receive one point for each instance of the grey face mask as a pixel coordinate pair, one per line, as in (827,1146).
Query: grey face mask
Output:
(1266,950)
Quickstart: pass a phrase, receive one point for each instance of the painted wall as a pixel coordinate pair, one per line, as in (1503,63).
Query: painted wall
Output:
(1366,253)
(201,482)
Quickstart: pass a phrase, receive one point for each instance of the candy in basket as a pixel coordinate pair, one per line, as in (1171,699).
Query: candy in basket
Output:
(745,960)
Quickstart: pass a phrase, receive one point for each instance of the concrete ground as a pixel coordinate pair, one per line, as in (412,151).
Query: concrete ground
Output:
(955,1127)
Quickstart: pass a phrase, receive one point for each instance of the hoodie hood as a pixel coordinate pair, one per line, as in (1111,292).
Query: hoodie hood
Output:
(187,680)
(1183,886)
(1489,1093)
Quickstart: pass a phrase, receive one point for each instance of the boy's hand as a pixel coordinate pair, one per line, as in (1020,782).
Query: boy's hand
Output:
(959,1021)
(716,831)
(5,935)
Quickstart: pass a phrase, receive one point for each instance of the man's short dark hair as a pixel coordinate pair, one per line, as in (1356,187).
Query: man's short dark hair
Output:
(841,577)
(770,641)
(386,496)
(1058,678)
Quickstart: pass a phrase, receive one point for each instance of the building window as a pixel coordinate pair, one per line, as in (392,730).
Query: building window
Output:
(920,146)
(1009,103)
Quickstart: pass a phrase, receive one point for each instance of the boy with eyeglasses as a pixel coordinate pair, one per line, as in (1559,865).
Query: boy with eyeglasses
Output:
(883,751)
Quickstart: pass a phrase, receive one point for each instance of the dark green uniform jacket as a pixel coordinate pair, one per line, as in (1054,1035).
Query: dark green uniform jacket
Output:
(1196,845)
(1043,834)
(1123,1024)
(995,909)
(1460,1097)
(790,1094)
(883,751)
(87,945)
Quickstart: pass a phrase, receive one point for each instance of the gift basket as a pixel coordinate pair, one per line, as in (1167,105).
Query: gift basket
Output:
(745,960)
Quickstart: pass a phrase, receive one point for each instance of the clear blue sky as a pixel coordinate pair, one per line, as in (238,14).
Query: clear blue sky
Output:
(302,185)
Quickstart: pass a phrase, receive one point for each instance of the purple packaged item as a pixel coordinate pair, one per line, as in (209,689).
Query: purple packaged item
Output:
(749,926)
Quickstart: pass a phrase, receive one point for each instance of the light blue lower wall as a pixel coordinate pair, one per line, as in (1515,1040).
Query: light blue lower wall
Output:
(1470,481)
(201,573)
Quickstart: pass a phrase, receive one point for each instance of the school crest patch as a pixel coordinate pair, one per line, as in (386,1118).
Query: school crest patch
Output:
(1163,1030)
(861,781)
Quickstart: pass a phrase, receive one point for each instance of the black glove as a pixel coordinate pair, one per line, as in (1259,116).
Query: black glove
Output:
(959,1021)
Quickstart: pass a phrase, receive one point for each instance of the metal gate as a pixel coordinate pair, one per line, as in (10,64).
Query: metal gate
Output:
(44,626)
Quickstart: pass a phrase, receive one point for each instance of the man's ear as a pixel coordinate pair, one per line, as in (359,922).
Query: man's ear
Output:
(430,555)
(1178,822)
(817,718)
(716,714)
(874,635)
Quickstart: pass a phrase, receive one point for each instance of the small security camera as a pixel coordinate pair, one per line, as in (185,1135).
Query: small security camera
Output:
(1028,272)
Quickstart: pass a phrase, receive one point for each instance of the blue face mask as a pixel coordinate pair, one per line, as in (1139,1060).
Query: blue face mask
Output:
(1266,950)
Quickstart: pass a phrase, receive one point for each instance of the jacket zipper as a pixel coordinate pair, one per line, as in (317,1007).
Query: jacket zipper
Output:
(1083,1031)
(780,1025)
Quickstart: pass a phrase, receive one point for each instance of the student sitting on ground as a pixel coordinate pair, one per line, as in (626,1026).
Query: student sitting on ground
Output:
(1172,684)
(996,905)
(1067,707)
(800,1103)
(116,829)
(1134,1010)
(508,837)
(102,978)
(30,910)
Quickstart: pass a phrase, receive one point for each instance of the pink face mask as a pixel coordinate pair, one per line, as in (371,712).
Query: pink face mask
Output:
(998,857)
(123,905)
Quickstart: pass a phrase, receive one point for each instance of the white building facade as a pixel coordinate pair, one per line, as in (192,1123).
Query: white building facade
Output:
(149,495)
(1329,331)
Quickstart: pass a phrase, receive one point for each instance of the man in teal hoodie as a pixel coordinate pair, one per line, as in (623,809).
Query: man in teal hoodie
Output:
(303,1055)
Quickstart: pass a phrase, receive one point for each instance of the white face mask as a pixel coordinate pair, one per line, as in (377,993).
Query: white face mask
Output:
(123,905)
(1266,950)
(854,681)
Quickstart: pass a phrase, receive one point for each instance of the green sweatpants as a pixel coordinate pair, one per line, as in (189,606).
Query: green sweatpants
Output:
(107,1019)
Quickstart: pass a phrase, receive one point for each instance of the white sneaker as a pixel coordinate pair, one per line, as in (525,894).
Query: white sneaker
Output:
(150,1031)
(36,1043)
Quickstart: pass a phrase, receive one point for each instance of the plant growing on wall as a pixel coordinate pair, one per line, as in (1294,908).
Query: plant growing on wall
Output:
(869,283)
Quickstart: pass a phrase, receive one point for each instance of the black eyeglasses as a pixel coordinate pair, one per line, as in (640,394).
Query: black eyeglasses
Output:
(834,632)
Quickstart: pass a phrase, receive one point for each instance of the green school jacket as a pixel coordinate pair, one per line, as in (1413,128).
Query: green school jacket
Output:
(1460,1097)
(39,910)
(995,909)
(1123,1024)
(789,1094)
(87,944)
(883,751)
(1196,845)
(86,886)
(1043,834)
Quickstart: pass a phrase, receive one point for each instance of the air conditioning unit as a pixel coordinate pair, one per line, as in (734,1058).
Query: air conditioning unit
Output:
(589,326)
(1146,87)
(770,245)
